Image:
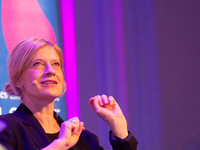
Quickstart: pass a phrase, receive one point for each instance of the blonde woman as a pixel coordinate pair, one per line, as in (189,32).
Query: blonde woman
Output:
(35,74)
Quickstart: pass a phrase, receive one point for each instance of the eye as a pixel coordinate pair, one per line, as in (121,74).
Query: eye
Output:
(56,64)
(37,63)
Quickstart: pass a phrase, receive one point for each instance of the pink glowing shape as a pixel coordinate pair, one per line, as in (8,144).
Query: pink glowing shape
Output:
(22,19)
(69,49)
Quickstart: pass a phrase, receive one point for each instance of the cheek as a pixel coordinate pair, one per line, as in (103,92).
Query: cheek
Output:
(60,75)
(62,81)
(27,76)
(62,78)
(61,85)
(32,75)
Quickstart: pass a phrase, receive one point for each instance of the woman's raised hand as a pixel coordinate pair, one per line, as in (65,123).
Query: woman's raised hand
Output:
(108,109)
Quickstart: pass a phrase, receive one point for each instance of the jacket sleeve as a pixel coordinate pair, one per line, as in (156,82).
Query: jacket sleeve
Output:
(129,143)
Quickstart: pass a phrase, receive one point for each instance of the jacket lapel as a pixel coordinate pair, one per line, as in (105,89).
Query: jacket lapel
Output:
(35,130)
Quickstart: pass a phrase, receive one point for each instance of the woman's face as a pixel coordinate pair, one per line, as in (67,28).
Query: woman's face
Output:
(43,78)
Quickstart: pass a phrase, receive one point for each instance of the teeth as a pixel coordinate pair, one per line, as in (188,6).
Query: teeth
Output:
(47,82)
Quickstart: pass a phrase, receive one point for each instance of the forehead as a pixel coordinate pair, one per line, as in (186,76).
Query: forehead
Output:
(46,52)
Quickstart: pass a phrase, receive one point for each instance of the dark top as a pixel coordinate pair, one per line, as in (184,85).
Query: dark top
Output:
(53,136)
(25,132)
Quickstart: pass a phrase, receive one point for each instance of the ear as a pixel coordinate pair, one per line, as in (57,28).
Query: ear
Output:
(18,83)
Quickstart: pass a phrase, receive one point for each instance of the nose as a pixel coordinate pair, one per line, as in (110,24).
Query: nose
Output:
(49,70)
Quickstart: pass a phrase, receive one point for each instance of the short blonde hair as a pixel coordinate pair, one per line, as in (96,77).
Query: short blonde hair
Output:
(20,58)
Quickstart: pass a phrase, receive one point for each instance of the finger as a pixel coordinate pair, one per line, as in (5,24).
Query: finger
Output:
(75,124)
(74,120)
(111,100)
(81,128)
(74,128)
(82,124)
(104,99)
(66,129)
(96,105)
(91,100)
(98,97)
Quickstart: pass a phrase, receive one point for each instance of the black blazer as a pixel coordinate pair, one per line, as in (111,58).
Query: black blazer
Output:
(25,132)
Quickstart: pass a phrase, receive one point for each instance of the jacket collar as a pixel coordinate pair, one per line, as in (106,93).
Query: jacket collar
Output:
(33,126)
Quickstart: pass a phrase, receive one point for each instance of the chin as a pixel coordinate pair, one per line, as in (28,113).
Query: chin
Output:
(51,95)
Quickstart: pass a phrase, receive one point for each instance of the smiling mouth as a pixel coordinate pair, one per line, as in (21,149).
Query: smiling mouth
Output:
(49,82)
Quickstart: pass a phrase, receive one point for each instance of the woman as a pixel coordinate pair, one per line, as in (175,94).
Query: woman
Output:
(35,73)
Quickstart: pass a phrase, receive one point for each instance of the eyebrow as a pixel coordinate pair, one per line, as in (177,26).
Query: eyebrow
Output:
(39,59)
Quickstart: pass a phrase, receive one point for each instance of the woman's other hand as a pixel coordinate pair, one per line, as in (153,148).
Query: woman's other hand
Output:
(70,132)
(69,135)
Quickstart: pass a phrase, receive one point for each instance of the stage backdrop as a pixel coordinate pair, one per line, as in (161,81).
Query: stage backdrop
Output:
(145,53)
(19,20)
(115,51)
(117,55)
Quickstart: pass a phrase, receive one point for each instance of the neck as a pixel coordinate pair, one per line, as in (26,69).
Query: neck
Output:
(44,112)
(47,120)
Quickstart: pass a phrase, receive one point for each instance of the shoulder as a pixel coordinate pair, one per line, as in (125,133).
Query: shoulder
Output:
(13,123)
(9,118)
(21,116)
(7,136)
(16,121)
